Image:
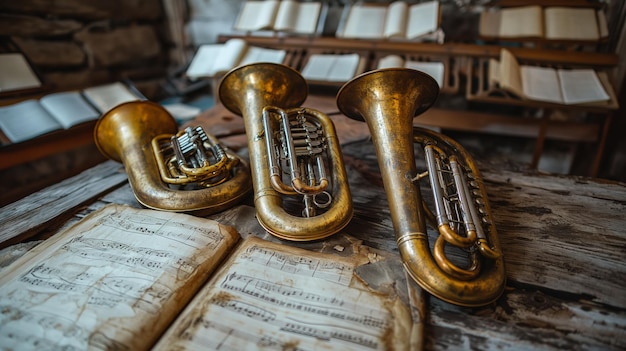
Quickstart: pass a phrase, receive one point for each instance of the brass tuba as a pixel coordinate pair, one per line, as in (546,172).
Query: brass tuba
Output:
(388,100)
(294,153)
(186,171)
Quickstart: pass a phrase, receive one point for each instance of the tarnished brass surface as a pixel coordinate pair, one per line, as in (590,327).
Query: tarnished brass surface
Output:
(127,133)
(388,100)
(259,92)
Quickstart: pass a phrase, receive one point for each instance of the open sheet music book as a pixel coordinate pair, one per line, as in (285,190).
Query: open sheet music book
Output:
(561,86)
(396,20)
(132,279)
(31,118)
(432,68)
(213,59)
(283,16)
(554,23)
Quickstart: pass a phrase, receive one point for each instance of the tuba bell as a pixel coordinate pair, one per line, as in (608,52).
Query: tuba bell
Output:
(294,153)
(171,170)
(388,100)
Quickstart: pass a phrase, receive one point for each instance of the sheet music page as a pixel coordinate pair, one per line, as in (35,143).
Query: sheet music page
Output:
(16,73)
(105,97)
(298,17)
(365,22)
(396,20)
(69,108)
(26,120)
(257,15)
(571,23)
(271,296)
(423,19)
(581,86)
(541,83)
(113,281)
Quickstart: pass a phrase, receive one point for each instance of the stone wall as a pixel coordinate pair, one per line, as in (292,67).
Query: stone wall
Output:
(78,43)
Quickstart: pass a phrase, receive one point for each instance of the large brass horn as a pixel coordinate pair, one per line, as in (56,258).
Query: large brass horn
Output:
(388,100)
(294,153)
(186,171)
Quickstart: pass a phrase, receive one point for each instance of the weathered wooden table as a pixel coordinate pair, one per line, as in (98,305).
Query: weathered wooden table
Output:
(564,243)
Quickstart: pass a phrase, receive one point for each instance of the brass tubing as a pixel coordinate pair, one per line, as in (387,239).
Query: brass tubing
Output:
(246,91)
(388,100)
(125,134)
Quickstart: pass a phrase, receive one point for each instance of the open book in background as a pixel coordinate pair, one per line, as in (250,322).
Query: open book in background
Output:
(31,118)
(282,16)
(398,20)
(332,67)
(434,69)
(553,23)
(125,278)
(561,86)
(213,59)
(16,73)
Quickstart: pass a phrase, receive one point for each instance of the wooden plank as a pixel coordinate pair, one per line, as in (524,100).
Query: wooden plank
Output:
(559,234)
(27,217)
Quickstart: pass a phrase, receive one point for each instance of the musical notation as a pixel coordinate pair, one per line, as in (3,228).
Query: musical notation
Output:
(104,269)
(272,298)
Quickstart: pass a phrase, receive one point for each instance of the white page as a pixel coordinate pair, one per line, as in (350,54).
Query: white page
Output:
(522,21)
(107,96)
(257,15)
(256,54)
(390,61)
(581,86)
(571,23)
(230,55)
(203,62)
(69,108)
(332,68)
(396,20)
(541,83)
(26,120)
(16,73)
(298,17)
(423,19)
(433,69)
(365,22)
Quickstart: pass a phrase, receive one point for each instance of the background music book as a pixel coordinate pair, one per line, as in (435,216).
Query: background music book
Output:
(554,23)
(396,20)
(16,73)
(432,68)
(562,86)
(31,118)
(213,59)
(332,67)
(283,16)
(127,279)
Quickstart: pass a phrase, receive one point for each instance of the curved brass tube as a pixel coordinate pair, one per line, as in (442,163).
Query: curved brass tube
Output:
(126,133)
(388,100)
(247,91)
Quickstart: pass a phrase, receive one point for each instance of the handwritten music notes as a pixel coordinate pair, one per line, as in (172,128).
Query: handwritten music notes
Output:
(275,297)
(115,280)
